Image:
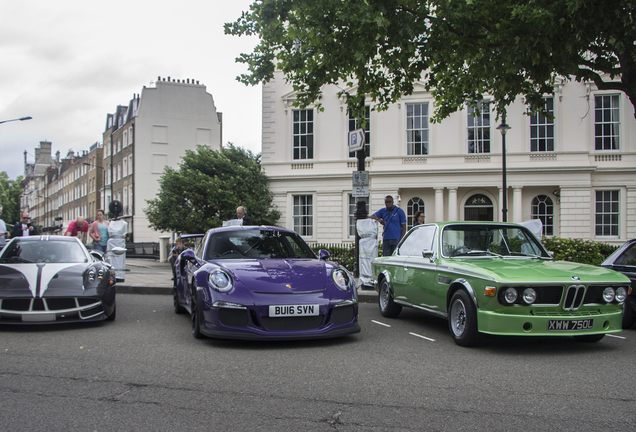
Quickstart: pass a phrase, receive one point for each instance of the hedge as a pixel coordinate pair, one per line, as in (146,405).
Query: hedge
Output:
(565,249)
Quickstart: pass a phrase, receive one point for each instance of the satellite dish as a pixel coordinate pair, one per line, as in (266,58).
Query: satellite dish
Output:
(116,208)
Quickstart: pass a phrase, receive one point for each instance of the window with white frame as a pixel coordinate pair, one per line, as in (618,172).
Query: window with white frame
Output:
(606,122)
(125,202)
(119,171)
(607,213)
(352,212)
(355,124)
(130,164)
(543,209)
(303,134)
(415,204)
(303,211)
(125,166)
(417,129)
(542,129)
(479,128)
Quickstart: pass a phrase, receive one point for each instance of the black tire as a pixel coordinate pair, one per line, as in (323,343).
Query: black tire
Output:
(113,315)
(629,316)
(195,317)
(178,309)
(388,308)
(589,338)
(462,319)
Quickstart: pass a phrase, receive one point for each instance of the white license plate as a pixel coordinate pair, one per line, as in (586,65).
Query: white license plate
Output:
(38,317)
(293,310)
(571,325)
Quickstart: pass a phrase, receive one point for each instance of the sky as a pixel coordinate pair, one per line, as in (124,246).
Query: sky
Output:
(68,63)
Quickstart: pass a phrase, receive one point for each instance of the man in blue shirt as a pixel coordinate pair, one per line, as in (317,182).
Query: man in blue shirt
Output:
(394,221)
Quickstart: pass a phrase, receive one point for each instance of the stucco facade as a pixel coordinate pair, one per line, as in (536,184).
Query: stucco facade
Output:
(576,172)
(153,132)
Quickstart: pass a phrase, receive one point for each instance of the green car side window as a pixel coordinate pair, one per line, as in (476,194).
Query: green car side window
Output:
(420,239)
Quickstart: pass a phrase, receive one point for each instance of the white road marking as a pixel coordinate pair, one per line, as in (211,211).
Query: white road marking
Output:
(382,324)
(617,337)
(420,336)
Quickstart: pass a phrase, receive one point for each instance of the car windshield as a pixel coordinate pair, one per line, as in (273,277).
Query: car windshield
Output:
(256,244)
(628,257)
(43,252)
(482,240)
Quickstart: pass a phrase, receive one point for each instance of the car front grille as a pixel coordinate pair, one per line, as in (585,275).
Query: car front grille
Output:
(293,323)
(569,297)
(64,308)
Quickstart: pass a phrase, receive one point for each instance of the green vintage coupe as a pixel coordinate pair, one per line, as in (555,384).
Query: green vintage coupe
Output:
(497,278)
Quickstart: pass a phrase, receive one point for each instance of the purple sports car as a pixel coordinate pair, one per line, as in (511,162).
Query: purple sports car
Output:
(259,282)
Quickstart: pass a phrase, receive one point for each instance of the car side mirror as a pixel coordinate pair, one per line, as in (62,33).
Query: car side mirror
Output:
(323,254)
(117,250)
(428,254)
(187,255)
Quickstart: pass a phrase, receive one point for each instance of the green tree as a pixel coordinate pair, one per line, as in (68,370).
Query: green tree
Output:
(207,188)
(10,191)
(459,49)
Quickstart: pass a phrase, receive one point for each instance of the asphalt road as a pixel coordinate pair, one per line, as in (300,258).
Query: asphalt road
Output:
(146,372)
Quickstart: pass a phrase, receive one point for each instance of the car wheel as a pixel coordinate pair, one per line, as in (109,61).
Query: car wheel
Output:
(113,315)
(195,315)
(589,338)
(388,308)
(629,316)
(178,309)
(462,319)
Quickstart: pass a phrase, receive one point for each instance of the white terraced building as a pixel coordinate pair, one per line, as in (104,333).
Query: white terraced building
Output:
(577,172)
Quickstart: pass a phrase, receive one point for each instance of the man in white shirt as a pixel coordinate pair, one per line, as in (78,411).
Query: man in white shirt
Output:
(3,231)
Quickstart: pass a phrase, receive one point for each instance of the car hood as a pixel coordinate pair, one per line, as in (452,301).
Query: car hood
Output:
(519,270)
(280,276)
(36,279)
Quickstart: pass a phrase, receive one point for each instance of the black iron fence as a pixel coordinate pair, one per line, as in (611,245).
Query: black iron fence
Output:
(142,250)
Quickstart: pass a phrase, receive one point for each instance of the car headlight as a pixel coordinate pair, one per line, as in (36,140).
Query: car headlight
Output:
(608,294)
(220,281)
(91,275)
(511,295)
(529,295)
(342,279)
(621,294)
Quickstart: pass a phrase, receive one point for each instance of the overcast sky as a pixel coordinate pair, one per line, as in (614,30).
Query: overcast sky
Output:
(68,63)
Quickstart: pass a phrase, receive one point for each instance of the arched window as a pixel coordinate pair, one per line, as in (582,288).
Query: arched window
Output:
(543,209)
(414,205)
(479,208)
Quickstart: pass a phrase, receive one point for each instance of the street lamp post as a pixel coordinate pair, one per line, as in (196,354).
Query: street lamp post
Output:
(503,128)
(18,119)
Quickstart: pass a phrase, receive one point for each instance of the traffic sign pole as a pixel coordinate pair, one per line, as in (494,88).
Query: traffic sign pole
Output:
(361,208)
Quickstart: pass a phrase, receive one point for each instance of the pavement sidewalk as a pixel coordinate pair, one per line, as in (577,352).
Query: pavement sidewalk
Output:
(148,276)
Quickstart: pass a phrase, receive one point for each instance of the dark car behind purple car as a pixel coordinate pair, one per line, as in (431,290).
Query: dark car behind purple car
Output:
(623,260)
(262,282)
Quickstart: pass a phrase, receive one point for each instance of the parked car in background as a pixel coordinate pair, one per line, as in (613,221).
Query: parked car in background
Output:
(497,278)
(623,260)
(256,282)
(54,279)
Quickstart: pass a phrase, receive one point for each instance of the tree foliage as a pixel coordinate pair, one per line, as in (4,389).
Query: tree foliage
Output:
(207,188)
(460,50)
(10,191)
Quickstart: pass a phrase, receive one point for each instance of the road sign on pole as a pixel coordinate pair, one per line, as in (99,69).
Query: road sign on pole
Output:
(356,140)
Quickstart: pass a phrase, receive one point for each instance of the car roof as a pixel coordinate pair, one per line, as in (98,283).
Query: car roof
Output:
(248,228)
(39,238)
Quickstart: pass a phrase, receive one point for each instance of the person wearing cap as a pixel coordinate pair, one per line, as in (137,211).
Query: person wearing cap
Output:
(24,227)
